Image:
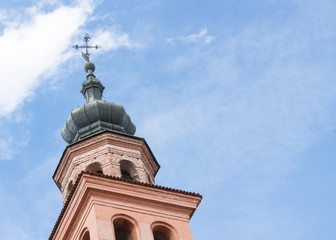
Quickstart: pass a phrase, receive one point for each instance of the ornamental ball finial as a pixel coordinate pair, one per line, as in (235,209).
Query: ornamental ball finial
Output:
(89,66)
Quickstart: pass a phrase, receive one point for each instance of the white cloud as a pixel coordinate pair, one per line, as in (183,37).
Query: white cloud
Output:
(201,37)
(112,40)
(34,43)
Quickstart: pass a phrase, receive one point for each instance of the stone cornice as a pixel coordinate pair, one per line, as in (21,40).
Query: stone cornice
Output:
(177,202)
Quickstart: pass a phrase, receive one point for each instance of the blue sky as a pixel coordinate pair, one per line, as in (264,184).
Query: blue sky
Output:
(237,100)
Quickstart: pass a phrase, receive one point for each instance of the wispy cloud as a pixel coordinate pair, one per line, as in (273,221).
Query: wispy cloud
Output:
(249,108)
(252,102)
(6,149)
(201,37)
(35,42)
(113,39)
(10,143)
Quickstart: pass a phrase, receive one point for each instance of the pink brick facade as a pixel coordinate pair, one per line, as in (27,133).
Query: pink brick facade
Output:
(98,204)
(107,149)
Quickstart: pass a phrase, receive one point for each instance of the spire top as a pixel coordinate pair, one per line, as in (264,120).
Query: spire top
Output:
(87,54)
(89,67)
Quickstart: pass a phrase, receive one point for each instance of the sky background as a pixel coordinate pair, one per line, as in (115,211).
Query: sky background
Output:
(237,100)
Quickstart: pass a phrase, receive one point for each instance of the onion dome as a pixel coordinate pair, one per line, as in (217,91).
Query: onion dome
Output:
(95,115)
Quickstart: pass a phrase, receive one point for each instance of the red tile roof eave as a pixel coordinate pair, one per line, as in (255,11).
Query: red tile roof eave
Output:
(118,179)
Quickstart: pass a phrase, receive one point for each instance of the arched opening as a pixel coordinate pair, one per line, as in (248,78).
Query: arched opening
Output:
(125,174)
(124,229)
(86,236)
(94,167)
(128,171)
(162,231)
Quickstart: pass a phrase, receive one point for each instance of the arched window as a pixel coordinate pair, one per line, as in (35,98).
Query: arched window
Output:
(94,167)
(85,235)
(128,171)
(125,174)
(162,231)
(124,229)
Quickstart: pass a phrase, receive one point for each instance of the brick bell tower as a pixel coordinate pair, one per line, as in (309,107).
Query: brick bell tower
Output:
(107,178)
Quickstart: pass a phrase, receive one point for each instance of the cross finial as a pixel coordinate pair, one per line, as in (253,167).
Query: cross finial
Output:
(86,55)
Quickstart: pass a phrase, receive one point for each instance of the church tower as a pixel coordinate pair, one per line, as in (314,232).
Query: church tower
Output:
(107,178)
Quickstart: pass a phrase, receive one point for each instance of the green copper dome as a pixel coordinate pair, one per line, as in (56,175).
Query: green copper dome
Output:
(96,115)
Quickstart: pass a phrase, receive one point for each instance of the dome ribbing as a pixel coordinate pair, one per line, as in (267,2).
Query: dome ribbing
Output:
(96,115)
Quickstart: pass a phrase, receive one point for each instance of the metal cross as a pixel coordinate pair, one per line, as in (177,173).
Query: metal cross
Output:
(86,55)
